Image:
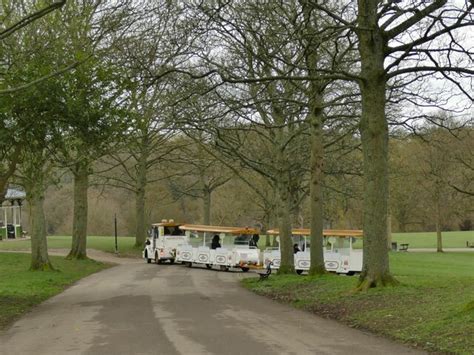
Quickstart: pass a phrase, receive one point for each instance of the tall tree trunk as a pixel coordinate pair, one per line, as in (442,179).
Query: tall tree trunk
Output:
(206,206)
(389,227)
(287,265)
(374,135)
(140,226)
(439,237)
(315,115)
(268,225)
(182,205)
(267,241)
(79,226)
(39,247)
(316,191)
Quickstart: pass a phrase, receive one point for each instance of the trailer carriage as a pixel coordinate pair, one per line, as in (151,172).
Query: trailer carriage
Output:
(340,256)
(236,251)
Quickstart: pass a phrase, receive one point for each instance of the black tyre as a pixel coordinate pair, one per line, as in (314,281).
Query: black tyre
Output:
(171,261)
(157,259)
(190,264)
(209,266)
(148,260)
(299,272)
(245,269)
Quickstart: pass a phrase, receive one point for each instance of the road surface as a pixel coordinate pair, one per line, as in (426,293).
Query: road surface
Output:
(138,308)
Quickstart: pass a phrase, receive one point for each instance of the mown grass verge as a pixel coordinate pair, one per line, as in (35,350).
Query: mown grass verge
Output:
(433,308)
(21,289)
(428,239)
(126,245)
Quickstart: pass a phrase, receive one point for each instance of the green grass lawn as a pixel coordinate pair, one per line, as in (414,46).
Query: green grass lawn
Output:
(433,308)
(21,289)
(419,240)
(126,244)
(428,239)
(107,244)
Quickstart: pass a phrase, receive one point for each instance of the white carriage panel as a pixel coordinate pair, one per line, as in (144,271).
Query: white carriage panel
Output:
(212,256)
(243,255)
(184,253)
(332,261)
(355,260)
(223,256)
(302,260)
(203,255)
(272,256)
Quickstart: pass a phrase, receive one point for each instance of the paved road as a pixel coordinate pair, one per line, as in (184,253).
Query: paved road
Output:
(136,308)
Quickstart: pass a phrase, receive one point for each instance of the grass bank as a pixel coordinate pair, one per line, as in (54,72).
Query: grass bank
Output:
(433,308)
(126,245)
(21,289)
(428,239)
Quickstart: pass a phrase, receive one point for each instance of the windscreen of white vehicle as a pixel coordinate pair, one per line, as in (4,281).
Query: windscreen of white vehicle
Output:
(173,231)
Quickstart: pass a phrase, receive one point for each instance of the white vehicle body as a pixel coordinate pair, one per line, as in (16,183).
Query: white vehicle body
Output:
(339,255)
(235,255)
(163,242)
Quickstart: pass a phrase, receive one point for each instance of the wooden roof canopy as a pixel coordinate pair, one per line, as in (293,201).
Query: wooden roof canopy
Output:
(219,229)
(166,223)
(326,232)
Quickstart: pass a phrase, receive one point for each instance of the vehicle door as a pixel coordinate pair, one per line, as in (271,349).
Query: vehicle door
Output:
(155,234)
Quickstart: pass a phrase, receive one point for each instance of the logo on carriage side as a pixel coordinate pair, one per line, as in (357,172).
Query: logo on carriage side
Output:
(202,257)
(185,255)
(304,263)
(221,259)
(331,264)
(276,262)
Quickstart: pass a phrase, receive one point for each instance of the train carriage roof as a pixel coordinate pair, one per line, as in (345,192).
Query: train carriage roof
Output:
(326,232)
(166,224)
(219,229)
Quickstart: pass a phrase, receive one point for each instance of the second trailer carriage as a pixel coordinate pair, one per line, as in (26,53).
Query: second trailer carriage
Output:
(222,247)
(340,256)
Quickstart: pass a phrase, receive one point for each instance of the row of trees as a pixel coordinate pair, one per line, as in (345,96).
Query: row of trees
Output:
(282,95)
(235,203)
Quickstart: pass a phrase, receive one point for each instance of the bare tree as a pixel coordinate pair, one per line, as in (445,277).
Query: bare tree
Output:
(397,42)
(161,44)
(198,175)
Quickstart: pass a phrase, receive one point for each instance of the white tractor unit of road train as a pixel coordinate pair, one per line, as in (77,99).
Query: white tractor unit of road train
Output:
(163,241)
